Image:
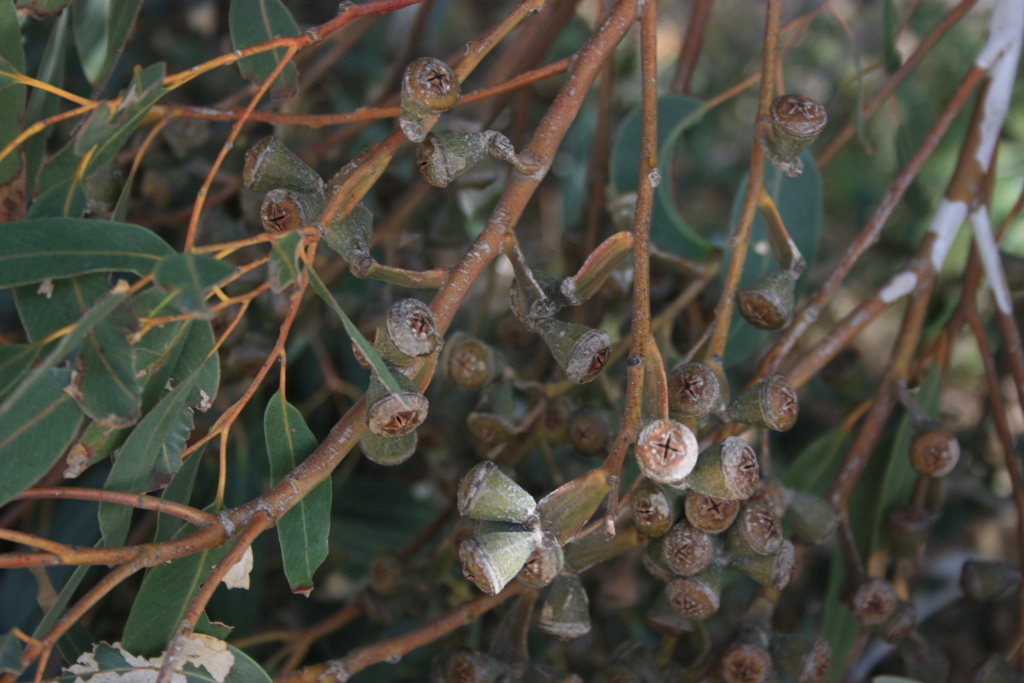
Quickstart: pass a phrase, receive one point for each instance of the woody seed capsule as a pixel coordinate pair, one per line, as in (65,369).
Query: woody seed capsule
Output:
(408,331)
(390,415)
(469,362)
(709,514)
(465,666)
(796,122)
(813,518)
(283,210)
(270,165)
(542,567)
(697,597)
(388,451)
(486,493)
(655,508)
(745,663)
(771,404)
(687,551)
(934,452)
(565,613)
(908,527)
(900,624)
(727,469)
(654,561)
(666,451)
(693,390)
(757,530)
(492,560)
(493,419)
(665,619)
(873,602)
(557,417)
(768,303)
(805,658)
(352,237)
(443,157)
(589,430)
(773,570)
(429,87)
(582,352)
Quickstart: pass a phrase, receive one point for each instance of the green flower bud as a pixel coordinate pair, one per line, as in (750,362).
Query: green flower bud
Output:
(471,363)
(768,303)
(283,210)
(727,469)
(429,87)
(270,165)
(773,570)
(486,493)
(796,122)
(589,431)
(873,601)
(388,450)
(666,451)
(805,658)
(542,567)
(492,560)
(352,237)
(655,508)
(771,404)
(408,331)
(709,514)
(908,528)
(812,518)
(565,613)
(693,390)
(687,551)
(493,420)
(757,530)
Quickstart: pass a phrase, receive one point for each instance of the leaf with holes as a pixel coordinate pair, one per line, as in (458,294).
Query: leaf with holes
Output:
(190,277)
(35,431)
(257,21)
(304,529)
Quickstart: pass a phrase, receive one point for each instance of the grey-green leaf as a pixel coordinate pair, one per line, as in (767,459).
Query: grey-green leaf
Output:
(10,654)
(32,251)
(42,8)
(12,98)
(302,531)
(15,360)
(285,261)
(190,277)
(101,29)
(35,432)
(107,389)
(257,21)
(42,104)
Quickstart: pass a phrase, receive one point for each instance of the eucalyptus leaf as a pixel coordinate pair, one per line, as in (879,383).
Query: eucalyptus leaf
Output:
(15,361)
(190,277)
(119,662)
(257,21)
(32,251)
(303,530)
(10,654)
(285,261)
(102,28)
(12,100)
(42,104)
(65,199)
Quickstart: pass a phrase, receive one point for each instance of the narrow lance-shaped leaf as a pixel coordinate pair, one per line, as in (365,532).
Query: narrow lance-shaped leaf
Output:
(303,530)
(285,261)
(15,360)
(190,277)
(32,251)
(93,317)
(257,21)
(12,106)
(35,432)
(42,104)
(366,347)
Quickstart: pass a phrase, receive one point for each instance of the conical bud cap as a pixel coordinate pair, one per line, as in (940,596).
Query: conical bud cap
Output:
(486,493)
(771,404)
(580,351)
(492,560)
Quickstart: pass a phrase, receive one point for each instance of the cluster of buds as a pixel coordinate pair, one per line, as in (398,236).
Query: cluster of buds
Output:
(406,333)
(294,192)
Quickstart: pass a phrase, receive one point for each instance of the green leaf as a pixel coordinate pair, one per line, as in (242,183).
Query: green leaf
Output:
(32,251)
(107,128)
(150,457)
(366,347)
(799,201)
(676,115)
(303,530)
(190,277)
(285,262)
(102,28)
(93,317)
(107,389)
(838,626)
(10,654)
(56,304)
(12,98)
(212,628)
(890,24)
(257,21)
(55,202)
(35,432)
(41,8)
(42,104)
(178,491)
(117,662)
(164,597)
(897,476)
(15,360)
(814,469)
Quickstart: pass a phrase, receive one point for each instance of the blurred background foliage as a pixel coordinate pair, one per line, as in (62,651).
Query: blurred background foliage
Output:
(378,509)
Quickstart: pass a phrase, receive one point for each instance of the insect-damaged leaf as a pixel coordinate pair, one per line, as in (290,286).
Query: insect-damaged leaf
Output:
(35,431)
(303,530)
(257,21)
(190,277)
(32,251)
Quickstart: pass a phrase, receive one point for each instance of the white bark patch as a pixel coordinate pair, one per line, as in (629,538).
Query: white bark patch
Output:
(899,286)
(201,651)
(988,250)
(945,224)
(1007,25)
(238,575)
